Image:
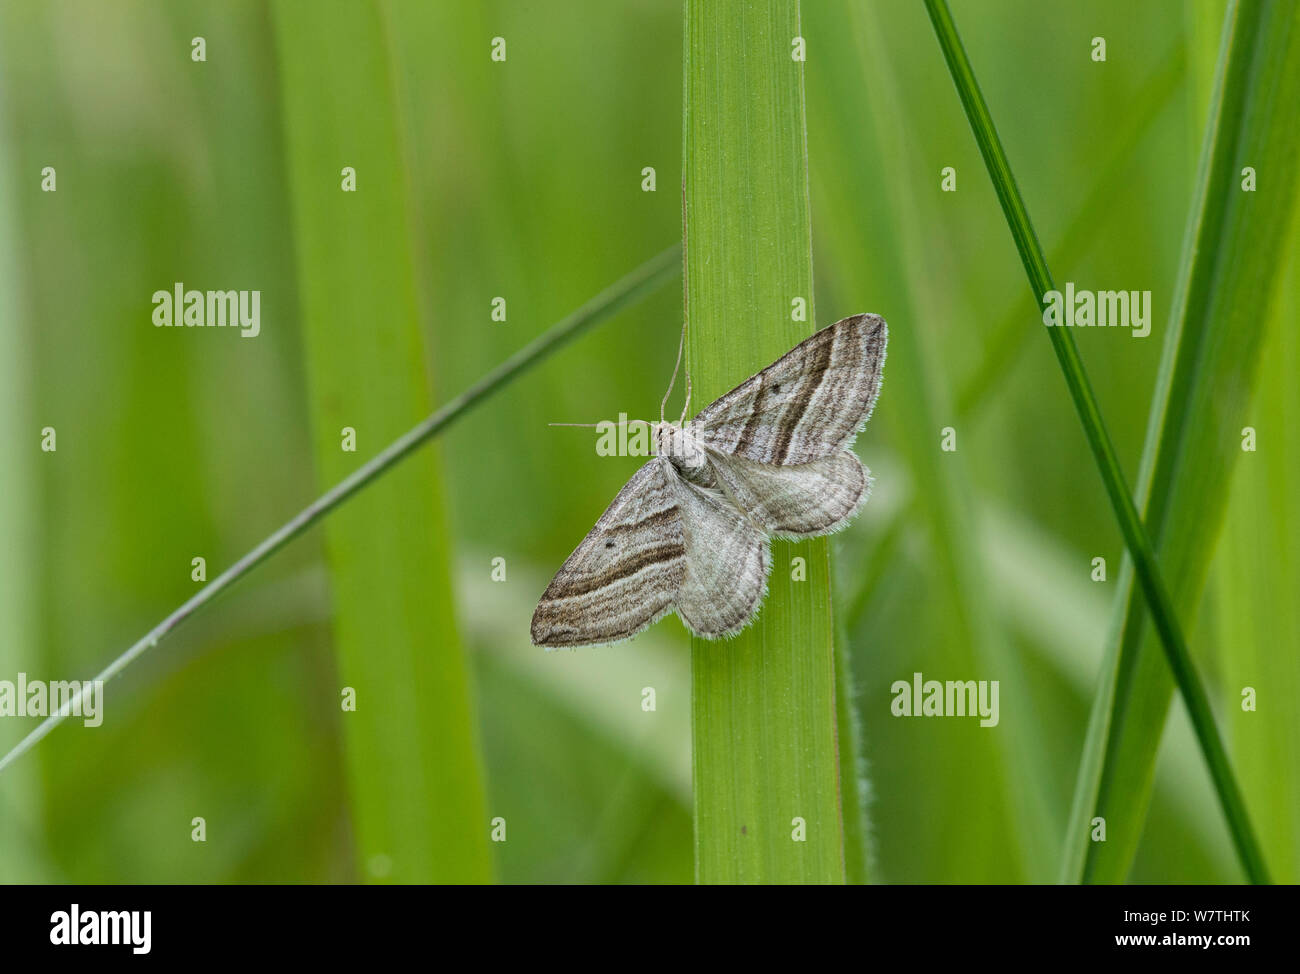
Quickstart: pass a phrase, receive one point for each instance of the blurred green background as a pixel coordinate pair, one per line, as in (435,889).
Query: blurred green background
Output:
(523,179)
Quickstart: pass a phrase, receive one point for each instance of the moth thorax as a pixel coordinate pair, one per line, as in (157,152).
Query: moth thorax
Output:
(681,448)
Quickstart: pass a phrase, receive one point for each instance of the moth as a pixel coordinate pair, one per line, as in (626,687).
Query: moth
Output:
(690,532)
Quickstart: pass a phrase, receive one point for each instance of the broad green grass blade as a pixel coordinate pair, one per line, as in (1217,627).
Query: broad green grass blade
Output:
(764,707)
(1139,544)
(1257,576)
(415,776)
(1203,394)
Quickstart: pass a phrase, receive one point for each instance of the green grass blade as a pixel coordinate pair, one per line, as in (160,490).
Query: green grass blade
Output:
(411,742)
(1135,536)
(764,707)
(1221,313)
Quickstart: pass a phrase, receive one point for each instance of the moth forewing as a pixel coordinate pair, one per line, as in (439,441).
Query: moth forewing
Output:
(625,574)
(808,404)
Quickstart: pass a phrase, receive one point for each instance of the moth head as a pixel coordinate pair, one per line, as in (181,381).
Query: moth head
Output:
(678,445)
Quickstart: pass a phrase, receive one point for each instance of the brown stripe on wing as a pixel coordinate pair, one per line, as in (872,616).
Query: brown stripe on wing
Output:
(611,614)
(812,381)
(620,570)
(658,519)
(755,417)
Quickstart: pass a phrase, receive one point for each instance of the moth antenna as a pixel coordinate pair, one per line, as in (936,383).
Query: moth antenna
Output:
(686,406)
(686,317)
(627,421)
(681,344)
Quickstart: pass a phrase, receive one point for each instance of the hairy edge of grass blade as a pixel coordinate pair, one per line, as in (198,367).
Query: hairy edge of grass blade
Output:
(1135,536)
(645,279)
(855,783)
